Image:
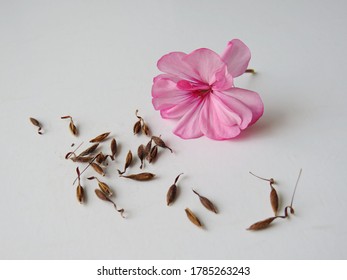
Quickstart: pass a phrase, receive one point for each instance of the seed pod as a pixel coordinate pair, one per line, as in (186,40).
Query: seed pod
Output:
(80,193)
(81,159)
(145,176)
(274,199)
(36,123)
(128,160)
(137,127)
(171,194)
(148,148)
(98,168)
(103,197)
(100,137)
(145,129)
(194,219)
(206,202)
(105,188)
(141,154)
(89,151)
(73,128)
(114,148)
(262,224)
(159,142)
(153,154)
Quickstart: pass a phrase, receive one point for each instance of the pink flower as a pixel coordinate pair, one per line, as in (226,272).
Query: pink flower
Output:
(198,90)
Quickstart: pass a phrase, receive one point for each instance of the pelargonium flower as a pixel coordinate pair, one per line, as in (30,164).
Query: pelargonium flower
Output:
(198,90)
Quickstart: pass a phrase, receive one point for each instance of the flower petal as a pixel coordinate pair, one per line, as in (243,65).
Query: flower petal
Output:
(174,64)
(212,121)
(206,63)
(237,56)
(188,126)
(181,108)
(250,99)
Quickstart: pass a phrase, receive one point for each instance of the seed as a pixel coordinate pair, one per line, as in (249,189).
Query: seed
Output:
(100,137)
(36,123)
(194,219)
(274,200)
(128,160)
(105,188)
(80,193)
(206,202)
(72,126)
(148,148)
(141,154)
(153,154)
(98,168)
(171,194)
(103,197)
(137,127)
(100,158)
(89,151)
(262,224)
(81,159)
(145,176)
(159,142)
(114,148)
(145,129)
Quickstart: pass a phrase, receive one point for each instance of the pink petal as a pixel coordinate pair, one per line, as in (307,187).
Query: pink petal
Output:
(223,81)
(180,109)
(188,126)
(174,64)
(250,99)
(212,121)
(236,56)
(205,63)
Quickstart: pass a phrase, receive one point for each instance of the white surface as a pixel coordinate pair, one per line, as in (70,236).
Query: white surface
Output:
(95,60)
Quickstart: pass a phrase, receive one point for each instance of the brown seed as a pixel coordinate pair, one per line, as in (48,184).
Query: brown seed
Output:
(100,137)
(89,151)
(148,147)
(81,159)
(36,123)
(114,148)
(103,197)
(206,202)
(98,168)
(137,127)
(159,142)
(128,160)
(141,154)
(153,154)
(105,188)
(145,176)
(73,128)
(80,193)
(262,224)
(171,194)
(274,199)
(100,158)
(194,219)
(145,129)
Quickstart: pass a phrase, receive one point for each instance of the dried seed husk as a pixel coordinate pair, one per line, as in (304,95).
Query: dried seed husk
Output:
(171,194)
(89,151)
(128,160)
(262,224)
(153,154)
(141,154)
(80,193)
(148,147)
(145,129)
(103,197)
(81,159)
(37,124)
(98,168)
(194,219)
(274,200)
(105,188)
(114,148)
(137,127)
(145,176)
(100,158)
(206,202)
(73,128)
(100,137)
(159,142)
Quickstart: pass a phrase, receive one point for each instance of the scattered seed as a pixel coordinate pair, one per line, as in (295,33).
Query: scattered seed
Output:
(148,148)
(98,168)
(100,137)
(37,124)
(171,193)
(145,129)
(79,189)
(145,176)
(206,202)
(114,148)
(101,158)
(137,127)
(141,154)
(274,199)
(103,197)
(103,186)
(81,159)
(89,151)
(72,126)
(159,142)
(128,160)
(262,224)
(194,219)
(153,154)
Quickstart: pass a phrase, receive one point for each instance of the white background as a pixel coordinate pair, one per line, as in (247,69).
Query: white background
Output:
(95,60)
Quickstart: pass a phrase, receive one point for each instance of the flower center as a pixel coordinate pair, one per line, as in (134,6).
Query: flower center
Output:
(203,92)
